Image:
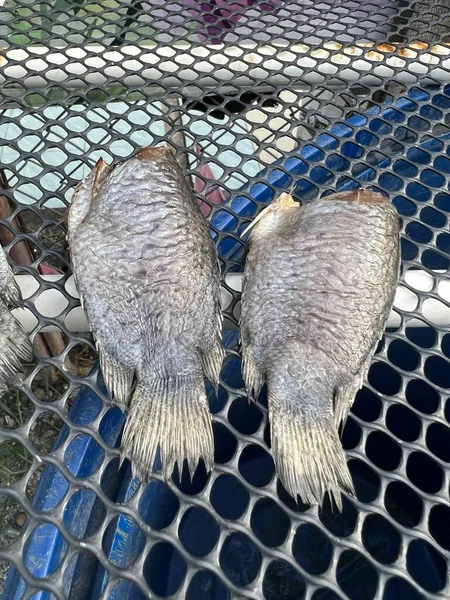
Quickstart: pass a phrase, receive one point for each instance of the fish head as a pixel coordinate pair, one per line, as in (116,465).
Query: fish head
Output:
(284,202)
(88,191)
(144,161)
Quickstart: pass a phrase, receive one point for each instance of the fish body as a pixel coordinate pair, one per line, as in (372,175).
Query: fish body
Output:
(148,275)
(15,345)
(319,284)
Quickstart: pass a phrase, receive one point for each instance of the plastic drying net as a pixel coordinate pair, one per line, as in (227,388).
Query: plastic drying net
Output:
(257,97)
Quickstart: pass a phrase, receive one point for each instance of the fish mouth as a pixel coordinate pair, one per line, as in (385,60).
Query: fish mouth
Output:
(359,196)
(284,200)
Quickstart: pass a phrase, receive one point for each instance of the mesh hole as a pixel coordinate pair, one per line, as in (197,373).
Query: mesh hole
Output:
(425,337)
(445,345)
(434,260)
(403,504)
(80,359)
(399,589)
(123,541)
(225,444)
(80,445)
(269,523)
(424,472)
(15,461)
(193,486)
(351,436)
(16,410)
(384,379)
(256,465)
(340,524)
(437,370)
(323,594)
(206,585)
(356,576)
(403,355)
(198,531)
(158,505)
(282,581)
(244,416)
(12,520)
(383,451)
(403,423)
(84,514)
(231,372)
(422,396)
(44,431)
(51,476)
(367,405)
(426,565)
(80,574)
(229,497)
(49,384)
(240,559)
(439,525)
(438,441)
(381,539)
(41,538)
(312,549)
(367,483)
(111,480)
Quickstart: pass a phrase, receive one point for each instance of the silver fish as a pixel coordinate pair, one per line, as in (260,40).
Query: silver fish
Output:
(319,284)
(15,345)
(147,271)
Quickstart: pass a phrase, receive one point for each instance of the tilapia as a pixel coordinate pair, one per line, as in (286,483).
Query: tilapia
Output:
(15,345)
(147,272)
(318,287)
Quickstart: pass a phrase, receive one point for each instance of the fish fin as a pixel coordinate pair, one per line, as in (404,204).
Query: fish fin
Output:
(345,395)
(172,414)
(15,348)
(11,293)
(212,364)
(253,378)
(117,378)
(22,345)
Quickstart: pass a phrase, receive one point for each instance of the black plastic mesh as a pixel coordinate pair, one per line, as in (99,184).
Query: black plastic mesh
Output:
(256,97)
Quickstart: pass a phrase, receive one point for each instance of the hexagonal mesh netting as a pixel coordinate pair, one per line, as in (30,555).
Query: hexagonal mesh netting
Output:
(256,96)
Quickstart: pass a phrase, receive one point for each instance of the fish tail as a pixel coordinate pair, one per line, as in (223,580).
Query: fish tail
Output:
(308,454)
(172,414)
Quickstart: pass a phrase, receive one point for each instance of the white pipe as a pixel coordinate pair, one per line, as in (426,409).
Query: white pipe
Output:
(52,302)
(207,66)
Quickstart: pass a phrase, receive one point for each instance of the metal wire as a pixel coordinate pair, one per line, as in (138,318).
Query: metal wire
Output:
(256,97)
